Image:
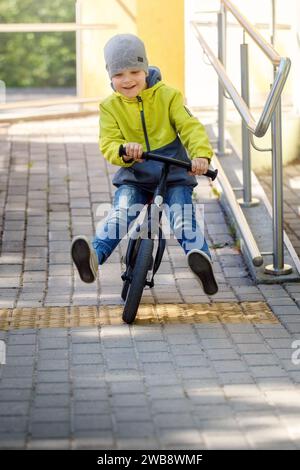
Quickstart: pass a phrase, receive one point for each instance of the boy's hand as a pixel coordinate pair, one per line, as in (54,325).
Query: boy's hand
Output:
(133,151)
(199,166)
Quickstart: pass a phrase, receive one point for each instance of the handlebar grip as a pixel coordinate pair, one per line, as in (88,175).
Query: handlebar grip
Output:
(210,173)
(122,150)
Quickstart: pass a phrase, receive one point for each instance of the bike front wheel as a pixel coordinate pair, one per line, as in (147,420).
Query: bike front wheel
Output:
(125,288)
(139,276)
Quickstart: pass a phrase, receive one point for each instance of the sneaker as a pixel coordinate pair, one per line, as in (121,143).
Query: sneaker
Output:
(85,259)
(201,265)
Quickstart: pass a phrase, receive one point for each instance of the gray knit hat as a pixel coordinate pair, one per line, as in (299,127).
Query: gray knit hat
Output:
(125,51)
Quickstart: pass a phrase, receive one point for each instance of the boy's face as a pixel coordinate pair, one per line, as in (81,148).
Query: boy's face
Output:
(130,82)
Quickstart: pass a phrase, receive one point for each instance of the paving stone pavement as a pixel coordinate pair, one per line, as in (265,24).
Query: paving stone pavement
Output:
(156,386)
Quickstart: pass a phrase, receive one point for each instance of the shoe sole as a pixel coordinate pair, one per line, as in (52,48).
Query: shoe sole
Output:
(203,269)
(81,255)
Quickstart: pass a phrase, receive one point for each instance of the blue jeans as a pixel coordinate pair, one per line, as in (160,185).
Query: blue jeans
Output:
(128,203)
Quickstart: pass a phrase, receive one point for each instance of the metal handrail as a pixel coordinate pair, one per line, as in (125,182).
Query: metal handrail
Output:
(258,129)
(252,31)
(78,26)
(226,82)
(273,97)
(48,102)
(271,113)
(51,27)
(238,214)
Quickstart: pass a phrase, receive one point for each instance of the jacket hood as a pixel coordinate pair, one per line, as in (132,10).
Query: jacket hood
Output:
(153,77)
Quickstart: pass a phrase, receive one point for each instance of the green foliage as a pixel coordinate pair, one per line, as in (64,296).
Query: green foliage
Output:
(37,59)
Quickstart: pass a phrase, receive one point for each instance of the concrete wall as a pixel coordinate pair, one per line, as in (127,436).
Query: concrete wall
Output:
(159,23)
(94,79)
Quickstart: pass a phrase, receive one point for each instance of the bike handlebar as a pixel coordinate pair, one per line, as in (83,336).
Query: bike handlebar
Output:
(170,161)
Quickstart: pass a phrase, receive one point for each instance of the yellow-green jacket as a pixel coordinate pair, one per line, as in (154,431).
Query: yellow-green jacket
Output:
(159,121)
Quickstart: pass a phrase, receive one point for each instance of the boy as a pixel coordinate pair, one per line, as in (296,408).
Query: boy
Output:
(144,114)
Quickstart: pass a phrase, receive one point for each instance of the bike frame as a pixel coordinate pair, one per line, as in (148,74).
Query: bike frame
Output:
(154,214)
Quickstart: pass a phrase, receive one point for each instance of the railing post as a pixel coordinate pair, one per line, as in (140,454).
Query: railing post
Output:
(278,267)
(273,36)
(247,200)
(221,98)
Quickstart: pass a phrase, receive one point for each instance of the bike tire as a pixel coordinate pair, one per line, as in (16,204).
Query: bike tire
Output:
(139,276)
(130,261)
(125,289)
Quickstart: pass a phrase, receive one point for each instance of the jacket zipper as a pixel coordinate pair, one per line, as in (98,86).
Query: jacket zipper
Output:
(143,122)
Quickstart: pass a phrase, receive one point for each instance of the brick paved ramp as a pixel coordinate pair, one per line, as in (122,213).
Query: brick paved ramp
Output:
(224,383)
(193,372)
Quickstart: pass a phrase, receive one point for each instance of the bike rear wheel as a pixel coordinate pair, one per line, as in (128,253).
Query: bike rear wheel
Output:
(139,276)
